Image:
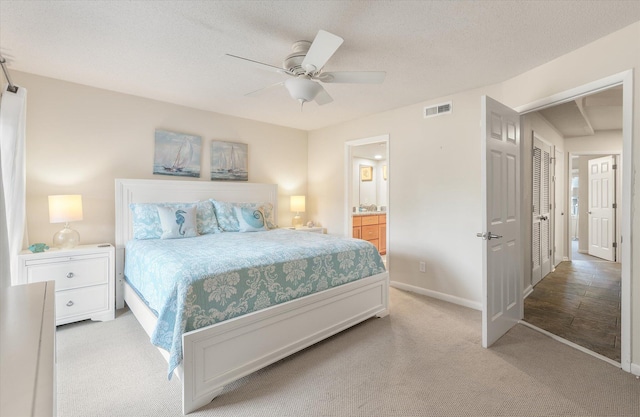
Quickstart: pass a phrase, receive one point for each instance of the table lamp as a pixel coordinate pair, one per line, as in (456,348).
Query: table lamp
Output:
(65,209)
(297,205)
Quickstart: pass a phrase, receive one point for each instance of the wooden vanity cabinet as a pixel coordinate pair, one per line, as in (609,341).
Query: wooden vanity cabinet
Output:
(357,229)
(372,228)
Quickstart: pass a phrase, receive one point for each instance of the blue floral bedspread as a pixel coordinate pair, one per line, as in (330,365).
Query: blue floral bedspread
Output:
(195,282)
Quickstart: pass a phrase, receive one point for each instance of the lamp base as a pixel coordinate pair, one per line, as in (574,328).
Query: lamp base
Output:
(297,221)
(66,238)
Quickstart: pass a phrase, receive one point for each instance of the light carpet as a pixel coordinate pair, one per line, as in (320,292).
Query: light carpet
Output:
(425,359)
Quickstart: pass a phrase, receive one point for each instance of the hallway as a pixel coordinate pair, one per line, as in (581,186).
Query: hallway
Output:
(580,302)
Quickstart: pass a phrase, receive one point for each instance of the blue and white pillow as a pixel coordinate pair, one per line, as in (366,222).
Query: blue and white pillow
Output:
(177,223)
(146,221)
(250,219)
(228,221)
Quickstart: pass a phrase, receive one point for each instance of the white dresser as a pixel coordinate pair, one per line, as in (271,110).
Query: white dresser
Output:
(27,350)
(84,277)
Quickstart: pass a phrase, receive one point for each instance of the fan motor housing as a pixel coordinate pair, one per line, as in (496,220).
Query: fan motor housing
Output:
(293,62)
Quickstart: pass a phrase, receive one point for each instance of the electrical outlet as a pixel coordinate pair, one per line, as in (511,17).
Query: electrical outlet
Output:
(423,267)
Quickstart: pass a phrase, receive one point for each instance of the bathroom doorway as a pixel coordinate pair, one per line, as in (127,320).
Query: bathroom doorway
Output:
(367,211)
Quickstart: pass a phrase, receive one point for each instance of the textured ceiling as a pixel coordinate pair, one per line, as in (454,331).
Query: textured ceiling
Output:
(173,51)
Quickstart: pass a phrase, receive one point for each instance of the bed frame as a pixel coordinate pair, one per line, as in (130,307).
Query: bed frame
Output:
(255,340)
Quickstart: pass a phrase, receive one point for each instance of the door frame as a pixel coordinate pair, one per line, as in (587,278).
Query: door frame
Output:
(348,192)
(560,222)
(625,79)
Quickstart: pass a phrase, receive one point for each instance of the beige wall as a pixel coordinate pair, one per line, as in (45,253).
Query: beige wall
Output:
(434,191)
(79,139)
(434,171)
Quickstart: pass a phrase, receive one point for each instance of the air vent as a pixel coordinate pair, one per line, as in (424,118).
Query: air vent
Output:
(437,110)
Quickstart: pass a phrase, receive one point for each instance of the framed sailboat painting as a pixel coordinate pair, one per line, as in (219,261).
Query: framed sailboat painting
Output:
(177,154)
(229,161)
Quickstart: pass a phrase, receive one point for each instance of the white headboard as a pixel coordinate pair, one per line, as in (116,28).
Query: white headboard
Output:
(158,191)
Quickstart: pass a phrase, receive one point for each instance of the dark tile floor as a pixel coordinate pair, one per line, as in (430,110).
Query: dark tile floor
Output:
(580,302)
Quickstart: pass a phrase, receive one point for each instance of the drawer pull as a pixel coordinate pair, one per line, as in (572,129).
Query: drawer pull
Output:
(70,303)
(70,275)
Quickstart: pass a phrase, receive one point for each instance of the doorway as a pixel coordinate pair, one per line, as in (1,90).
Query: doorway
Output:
(579,301)
(367,164)
(624,79)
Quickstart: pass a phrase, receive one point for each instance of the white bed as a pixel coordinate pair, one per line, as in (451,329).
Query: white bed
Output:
(257,339)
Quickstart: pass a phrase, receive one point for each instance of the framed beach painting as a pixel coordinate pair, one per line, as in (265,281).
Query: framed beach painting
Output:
(177,154)
(229,161)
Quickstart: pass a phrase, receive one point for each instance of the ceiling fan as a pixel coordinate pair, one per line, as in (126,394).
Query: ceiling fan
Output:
(304,66)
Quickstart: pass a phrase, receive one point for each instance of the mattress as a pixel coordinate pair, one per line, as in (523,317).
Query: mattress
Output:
(195,282)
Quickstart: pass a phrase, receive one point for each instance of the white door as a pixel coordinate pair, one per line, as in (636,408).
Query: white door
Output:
(541,218)
(559,219)
(601,208)
(502,304)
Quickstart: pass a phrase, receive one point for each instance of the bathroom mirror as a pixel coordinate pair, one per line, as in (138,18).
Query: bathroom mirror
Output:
(370,177)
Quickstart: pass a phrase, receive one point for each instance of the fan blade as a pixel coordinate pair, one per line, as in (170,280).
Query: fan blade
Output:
(323,97)
(259,64)
(356,77)
(262,90)
(323,47)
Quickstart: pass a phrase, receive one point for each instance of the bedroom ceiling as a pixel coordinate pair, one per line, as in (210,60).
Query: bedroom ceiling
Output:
(173,51)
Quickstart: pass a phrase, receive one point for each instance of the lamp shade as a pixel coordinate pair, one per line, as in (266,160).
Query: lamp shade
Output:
(297,203)
(302,89)
(65,208)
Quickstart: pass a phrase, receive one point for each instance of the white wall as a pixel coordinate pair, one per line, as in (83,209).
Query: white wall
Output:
(79,139)
(434,199)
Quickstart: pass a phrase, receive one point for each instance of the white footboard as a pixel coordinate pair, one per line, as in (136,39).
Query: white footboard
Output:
(255,340)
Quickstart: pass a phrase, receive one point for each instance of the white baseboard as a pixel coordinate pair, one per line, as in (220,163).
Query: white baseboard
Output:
(438,295)
(528,291)
(635,369)
(565,258)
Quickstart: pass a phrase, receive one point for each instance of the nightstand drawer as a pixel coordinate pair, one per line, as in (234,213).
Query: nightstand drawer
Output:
(71,274)
(81,301)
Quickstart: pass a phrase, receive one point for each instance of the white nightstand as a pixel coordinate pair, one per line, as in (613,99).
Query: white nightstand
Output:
(314,229)
(84,276)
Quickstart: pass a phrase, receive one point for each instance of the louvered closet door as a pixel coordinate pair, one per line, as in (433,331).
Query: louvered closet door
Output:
(541,227)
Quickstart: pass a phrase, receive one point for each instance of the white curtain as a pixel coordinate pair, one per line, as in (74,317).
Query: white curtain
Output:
(13,111)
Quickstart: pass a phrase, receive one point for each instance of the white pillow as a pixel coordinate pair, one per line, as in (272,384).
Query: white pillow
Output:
(251,219)
(177,223)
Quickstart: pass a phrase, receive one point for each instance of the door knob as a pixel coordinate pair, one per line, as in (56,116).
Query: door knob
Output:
(488,236)
(543,218)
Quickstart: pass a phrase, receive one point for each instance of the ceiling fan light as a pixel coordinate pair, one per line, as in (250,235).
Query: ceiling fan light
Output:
(302,89)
